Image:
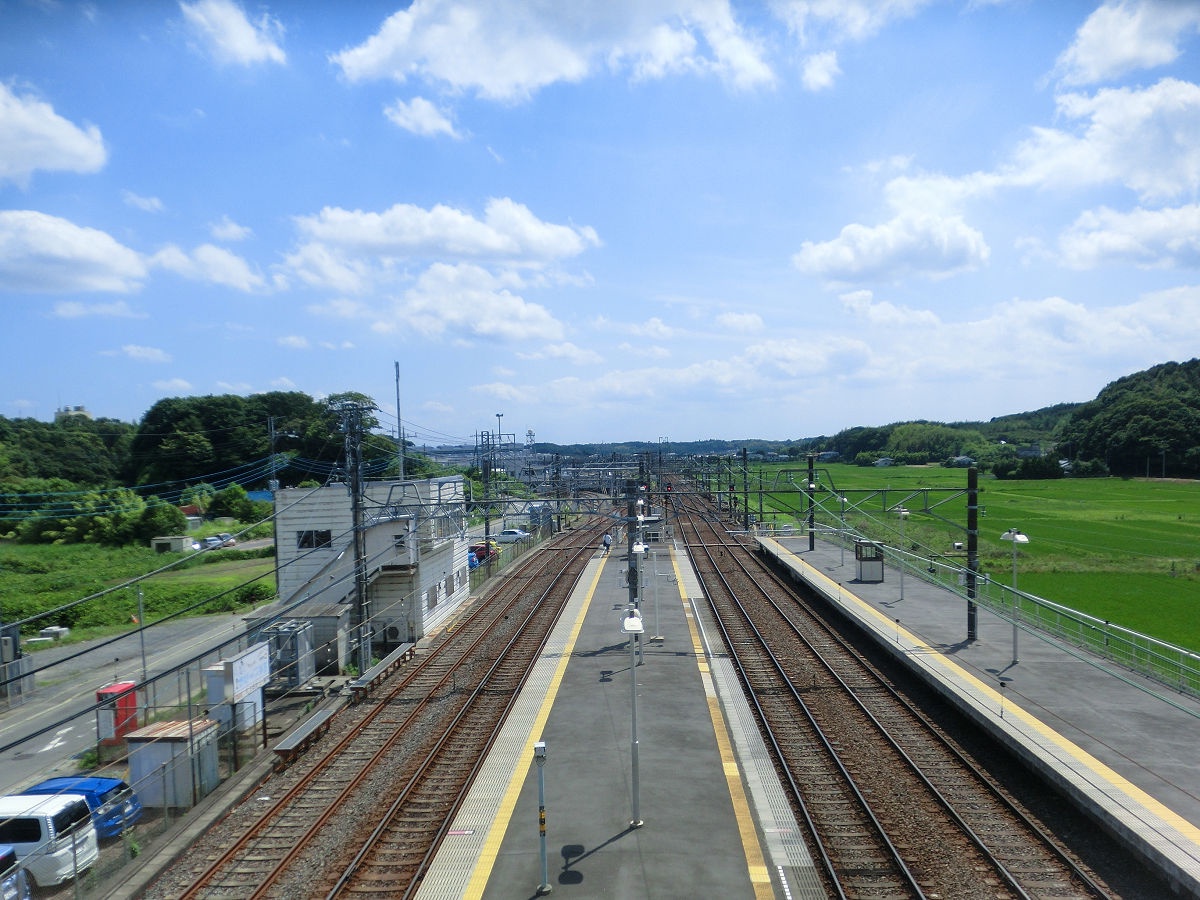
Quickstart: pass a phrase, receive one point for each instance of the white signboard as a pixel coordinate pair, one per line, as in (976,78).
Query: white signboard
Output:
(247,672)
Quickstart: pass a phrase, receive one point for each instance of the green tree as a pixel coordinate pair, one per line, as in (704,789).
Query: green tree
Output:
(159,519)
(232,502)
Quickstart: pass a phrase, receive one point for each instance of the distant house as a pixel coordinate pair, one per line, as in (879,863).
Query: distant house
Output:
(828,456)
(884,461)
(69,412)
(962,462)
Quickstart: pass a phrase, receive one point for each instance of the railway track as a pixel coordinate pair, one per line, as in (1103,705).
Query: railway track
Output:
(365,811)
(893,806)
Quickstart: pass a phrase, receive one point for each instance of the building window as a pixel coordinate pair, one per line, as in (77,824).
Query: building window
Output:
(313,540)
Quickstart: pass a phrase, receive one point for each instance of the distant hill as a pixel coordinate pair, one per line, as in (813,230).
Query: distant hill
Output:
(1144,423)
(1147,423)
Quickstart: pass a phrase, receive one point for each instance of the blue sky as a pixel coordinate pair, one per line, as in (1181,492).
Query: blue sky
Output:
(611,220)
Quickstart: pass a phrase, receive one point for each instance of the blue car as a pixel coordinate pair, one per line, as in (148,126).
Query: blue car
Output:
(13,883)
(113,803)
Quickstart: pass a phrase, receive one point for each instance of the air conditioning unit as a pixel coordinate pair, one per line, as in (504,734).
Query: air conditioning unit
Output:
(391,634)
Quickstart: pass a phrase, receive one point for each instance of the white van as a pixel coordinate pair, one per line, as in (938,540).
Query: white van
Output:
(54,836)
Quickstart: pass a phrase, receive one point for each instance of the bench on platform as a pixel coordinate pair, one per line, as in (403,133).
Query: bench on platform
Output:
(297,742)
(363,685)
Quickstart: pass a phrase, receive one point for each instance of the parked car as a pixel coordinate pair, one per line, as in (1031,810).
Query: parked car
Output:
(13,883)
(53,836)
(113,803)
(484,549)
(213,543)
(227,539)
(512,536)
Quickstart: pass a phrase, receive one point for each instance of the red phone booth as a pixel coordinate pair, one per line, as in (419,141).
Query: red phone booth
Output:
(118,716)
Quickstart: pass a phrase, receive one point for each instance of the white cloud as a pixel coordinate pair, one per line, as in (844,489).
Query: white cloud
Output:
(46,254)
(510,49)
(1148,237)
(935,246)
(293,342)
(468,300)
(803,357)
(509,230)
(420,117)
(820,70)
(33,137)
(1147,140)
(567,351)
(212,264)
(838,20)
(340,308)
(862,305)
(229,231)
(145,354)
(174,386)
(74,309)
(744,323)
(145,204)
(654,328)
(223,28)
(1125,36)
(322,267)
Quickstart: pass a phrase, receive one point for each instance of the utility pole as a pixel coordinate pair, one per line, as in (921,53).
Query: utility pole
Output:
(399,425)
(745,489)
(353,426)
(812,514)
(972,551)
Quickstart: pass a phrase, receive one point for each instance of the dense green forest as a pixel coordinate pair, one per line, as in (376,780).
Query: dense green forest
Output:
(105,481)
(83,480)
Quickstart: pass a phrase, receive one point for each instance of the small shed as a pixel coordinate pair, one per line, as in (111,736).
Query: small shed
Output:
(174,763)
(171,543)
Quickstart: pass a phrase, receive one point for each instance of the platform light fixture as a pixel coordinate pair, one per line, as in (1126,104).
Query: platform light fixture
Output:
(1017,538)
(539,756)
(632,626)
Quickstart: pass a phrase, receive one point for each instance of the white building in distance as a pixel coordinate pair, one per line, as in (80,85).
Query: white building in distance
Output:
(415,550)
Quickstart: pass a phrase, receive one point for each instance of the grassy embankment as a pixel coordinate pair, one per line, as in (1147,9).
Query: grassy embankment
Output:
(1127,551)
(38,578)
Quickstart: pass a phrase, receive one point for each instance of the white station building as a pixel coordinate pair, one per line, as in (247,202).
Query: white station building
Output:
(415,547)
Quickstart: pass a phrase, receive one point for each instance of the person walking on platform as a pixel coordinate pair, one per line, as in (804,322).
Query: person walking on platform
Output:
(607,542)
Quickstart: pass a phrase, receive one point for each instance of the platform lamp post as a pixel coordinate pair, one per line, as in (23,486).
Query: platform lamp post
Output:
(639,552)
(632,626)
(1016,537)
(539,755)
(902,513)
(842,520)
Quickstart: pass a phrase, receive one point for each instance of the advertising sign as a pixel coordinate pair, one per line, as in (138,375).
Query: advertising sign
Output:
(247,672)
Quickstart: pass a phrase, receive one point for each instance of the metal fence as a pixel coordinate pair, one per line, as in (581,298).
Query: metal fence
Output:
(1167,664)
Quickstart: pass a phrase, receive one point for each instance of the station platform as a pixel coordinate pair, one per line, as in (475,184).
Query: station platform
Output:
(715,820)
(1123,746)
(699,836)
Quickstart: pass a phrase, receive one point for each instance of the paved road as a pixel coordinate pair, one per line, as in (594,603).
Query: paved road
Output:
(66,680)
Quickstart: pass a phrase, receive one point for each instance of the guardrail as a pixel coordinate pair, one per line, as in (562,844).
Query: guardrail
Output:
(1167,664)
